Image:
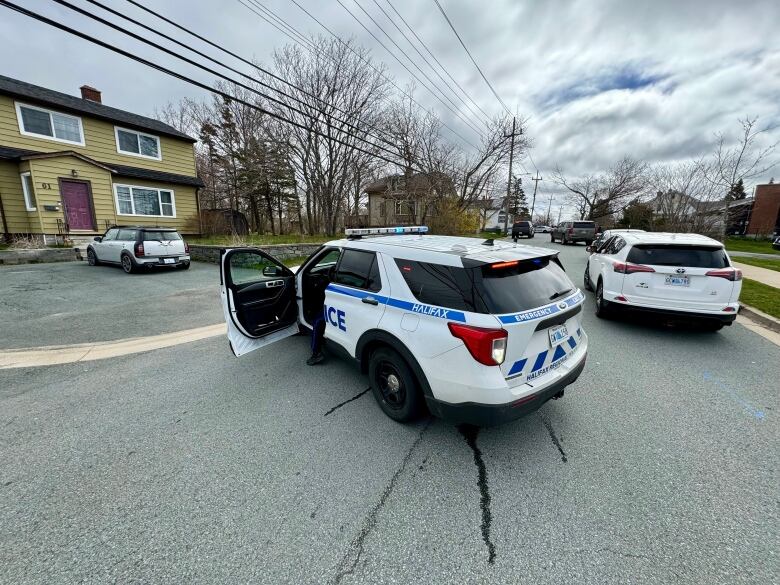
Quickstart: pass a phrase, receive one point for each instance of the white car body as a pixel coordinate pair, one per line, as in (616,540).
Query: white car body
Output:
(545,345)
(134,247)
(662,282)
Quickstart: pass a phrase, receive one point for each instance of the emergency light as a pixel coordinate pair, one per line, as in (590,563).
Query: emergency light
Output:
(386,231)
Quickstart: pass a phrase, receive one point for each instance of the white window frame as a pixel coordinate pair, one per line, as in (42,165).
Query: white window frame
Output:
(132,203)
(399,210)
(24,132)
(29,198)
(138,154)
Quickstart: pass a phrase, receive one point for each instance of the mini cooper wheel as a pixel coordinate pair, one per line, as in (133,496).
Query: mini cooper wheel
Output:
(127,264)
(394,385)
(586,278)
(602,306)
(92,259)
(184,266)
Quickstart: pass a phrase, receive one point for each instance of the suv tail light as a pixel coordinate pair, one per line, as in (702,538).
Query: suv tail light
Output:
(139,249)
(570,231)
(731,274)
(487,346)
(629,268)
(186,248)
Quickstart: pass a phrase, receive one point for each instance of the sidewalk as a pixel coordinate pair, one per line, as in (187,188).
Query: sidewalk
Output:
(764,275)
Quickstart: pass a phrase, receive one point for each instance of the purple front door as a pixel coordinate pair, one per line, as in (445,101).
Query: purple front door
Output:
(77,204)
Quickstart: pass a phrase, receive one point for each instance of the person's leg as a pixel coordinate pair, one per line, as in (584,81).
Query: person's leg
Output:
(317,340)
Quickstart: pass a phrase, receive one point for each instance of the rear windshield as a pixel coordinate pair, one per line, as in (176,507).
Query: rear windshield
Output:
(584,224)
(519,287)
(523,223)
(160,236)
(678,255)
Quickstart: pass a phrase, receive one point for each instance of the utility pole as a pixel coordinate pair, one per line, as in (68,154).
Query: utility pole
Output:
(560,211)
(548,219)
(509,181)
(536,180)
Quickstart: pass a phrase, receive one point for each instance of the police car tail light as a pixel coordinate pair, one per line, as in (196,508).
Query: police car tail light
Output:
(727,273)
(487,346)
(629,268)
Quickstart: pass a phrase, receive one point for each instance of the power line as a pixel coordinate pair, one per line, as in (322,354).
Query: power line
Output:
(282,27)
(393,55)
(190,80)
(214,72)
(495,93)
(443,68)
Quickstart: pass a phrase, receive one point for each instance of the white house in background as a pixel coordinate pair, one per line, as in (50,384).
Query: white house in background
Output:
(492,214)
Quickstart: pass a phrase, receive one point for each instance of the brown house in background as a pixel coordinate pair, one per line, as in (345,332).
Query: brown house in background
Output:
(765,217)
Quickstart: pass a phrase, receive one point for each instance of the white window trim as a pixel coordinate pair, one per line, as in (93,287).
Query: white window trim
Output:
(137,154)
(28,197)
(50,112)
(132,203)
(399,210)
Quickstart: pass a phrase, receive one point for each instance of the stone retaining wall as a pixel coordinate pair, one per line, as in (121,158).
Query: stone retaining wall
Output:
(39,256)
(203,253)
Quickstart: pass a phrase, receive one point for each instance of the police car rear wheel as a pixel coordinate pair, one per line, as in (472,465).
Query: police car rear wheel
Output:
(394,385)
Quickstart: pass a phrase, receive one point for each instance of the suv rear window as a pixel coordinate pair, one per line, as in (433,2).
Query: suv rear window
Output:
(678,255)
(584,224)
(523,223)
(160,236)
(483,289)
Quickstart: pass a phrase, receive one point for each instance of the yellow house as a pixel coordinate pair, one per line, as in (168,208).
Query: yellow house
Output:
(71,167)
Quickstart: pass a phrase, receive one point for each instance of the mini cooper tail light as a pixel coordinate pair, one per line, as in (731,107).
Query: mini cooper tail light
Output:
(186,248)
(139,249)
(629,268)
(487,346)
(731,274)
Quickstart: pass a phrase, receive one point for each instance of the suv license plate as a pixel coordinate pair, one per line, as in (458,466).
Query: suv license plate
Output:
(678,281)
(169,260)
(558,335)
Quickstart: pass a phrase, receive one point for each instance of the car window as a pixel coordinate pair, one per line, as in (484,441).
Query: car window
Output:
(604,246)
(526,285)
(615,245)
(436,284)
(678,255)
(358,269)
(248,267)
(327,261)
(126,235)
(110,235)
(584,224)
(160,236)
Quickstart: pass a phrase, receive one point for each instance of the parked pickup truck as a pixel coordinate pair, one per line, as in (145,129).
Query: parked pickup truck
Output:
(571,232)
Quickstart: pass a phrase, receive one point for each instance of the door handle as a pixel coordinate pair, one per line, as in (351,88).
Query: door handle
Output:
(370,300)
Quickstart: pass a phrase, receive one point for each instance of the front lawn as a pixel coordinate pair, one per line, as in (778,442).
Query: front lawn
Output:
(750,245)
(258,240)
(761,296)
(768,263)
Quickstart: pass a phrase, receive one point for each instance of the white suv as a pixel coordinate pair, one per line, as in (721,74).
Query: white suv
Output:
(677,275)
(136,247)
(480,331)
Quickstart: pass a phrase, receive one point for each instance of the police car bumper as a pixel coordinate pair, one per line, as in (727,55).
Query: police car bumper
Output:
(485,415)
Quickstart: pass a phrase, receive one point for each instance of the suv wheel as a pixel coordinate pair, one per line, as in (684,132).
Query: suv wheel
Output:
(92,258)
(127,264)
(552,237)
(394,385)
(588,285)
(602,306)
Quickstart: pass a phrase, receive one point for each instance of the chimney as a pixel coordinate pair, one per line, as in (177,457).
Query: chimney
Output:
(90,93)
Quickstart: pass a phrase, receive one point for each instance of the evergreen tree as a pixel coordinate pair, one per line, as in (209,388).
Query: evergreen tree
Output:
(518,204)
(737,192)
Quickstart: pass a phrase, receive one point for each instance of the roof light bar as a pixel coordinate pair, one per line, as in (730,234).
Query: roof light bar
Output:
(386,231)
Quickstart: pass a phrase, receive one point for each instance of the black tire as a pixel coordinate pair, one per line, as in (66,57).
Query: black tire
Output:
(586,278)
(394,385)
(128,265)
(530,236)
(603,310)
(184,266)
(92,258)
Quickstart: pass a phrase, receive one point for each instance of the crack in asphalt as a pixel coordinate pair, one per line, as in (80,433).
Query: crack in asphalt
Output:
(470,433)
(548,425)
(351,558)
(355,397)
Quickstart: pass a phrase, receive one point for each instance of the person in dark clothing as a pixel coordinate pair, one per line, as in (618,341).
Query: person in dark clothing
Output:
(317,340)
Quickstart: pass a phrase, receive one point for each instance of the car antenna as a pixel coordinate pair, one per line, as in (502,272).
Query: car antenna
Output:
(488,242)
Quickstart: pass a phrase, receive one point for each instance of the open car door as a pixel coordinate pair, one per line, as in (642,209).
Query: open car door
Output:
(258,299)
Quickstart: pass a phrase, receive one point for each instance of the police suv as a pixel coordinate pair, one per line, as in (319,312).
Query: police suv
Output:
(478,331)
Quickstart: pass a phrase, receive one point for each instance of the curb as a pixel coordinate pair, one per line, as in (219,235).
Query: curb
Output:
(760,318)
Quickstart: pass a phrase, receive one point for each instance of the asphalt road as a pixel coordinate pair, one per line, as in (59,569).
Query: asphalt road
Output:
(186,465)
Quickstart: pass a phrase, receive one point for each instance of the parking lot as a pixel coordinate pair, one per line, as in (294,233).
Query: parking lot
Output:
(185,464)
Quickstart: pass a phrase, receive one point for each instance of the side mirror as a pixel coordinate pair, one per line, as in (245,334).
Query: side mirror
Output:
(98,238)
(589,249)
(272,271)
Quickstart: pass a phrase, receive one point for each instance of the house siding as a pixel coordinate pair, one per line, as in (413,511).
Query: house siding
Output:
(178,156)
(185,198)
(19,219)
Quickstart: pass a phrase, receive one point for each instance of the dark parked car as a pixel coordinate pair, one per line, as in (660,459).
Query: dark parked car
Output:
(522,228)
(571,232)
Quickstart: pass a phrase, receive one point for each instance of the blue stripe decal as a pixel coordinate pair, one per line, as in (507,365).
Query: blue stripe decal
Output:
(545,311)
(429,310)
(572,343)
(517,367)
(559,353)
(539,361)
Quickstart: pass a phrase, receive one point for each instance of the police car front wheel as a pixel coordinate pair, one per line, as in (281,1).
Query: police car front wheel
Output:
(394,385)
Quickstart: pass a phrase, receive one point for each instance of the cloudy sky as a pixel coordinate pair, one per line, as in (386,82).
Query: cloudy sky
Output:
(596,80)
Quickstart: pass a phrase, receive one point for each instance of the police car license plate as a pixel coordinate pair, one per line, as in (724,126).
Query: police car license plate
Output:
(678,281)
(558,335)
(169,260)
